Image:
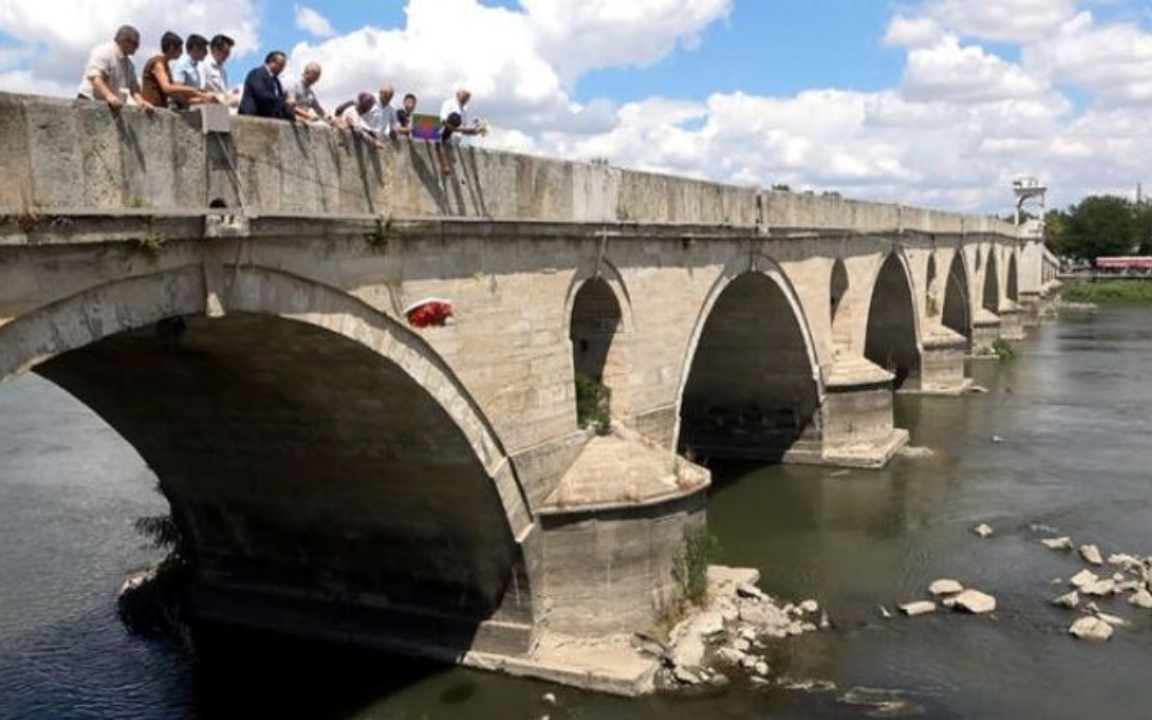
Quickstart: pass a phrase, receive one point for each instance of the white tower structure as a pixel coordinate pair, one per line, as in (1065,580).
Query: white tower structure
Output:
(1029,188)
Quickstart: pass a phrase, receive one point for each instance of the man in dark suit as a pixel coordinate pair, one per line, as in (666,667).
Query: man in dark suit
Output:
(263,95)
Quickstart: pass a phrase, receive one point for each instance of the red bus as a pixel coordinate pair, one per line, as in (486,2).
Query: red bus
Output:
(1137,264)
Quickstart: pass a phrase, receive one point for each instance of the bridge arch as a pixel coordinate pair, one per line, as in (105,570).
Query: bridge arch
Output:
(600,323)
(892,334)
(1012,282)
(750,385)
(990,297)
(311,447)
(930,286)
(956,313)
(838,286)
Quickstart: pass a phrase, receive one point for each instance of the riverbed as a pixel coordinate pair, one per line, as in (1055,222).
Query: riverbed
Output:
(1071,417)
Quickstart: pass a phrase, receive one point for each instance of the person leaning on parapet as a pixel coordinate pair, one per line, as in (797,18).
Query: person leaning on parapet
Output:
(213,74)
(186,70)
(156,84)
(404,115)
(308,108)
(454,119)
(110,75)
(353,116)
(263,95)
(382,117)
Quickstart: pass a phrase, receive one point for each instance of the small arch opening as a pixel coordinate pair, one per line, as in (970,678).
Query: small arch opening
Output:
(596,360)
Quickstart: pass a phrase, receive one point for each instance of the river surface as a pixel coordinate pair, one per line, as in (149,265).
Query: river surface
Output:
(1073,411)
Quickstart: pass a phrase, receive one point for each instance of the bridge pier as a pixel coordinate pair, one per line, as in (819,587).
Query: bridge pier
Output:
(611,532)
(1030,307)
(858,426)
(942,364)
(1011,322)
(985,331)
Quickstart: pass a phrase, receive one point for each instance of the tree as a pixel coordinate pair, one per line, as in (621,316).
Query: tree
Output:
(1142,224)
(1098,225)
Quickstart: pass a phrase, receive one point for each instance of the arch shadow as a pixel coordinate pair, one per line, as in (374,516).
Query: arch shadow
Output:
(330,472)
(750,386)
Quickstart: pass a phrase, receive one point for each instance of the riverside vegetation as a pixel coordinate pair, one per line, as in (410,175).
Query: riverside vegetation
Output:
(1108,292)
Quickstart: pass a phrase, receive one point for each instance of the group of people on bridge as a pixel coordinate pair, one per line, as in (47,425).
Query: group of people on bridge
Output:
(190,72)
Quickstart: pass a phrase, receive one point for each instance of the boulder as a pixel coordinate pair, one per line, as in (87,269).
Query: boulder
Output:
(1126,562)
(1112,620)
(1060,543)
(983,530)
(709,623)
(732,656)
(1071,600)
(751,592)
(1083,578)
(1091,554)
(688,652)
(1100,588)
(1141,599)
(764,615)
(1090,628)
(685,677)
(976,602)
(810,607)
(918,607)
(944,587)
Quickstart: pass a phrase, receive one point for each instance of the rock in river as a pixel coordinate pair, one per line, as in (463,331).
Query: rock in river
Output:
(1091,628)
(1091,554)
(1071,600)
(976,602)
(1060,543)
(919,607)
(944,587)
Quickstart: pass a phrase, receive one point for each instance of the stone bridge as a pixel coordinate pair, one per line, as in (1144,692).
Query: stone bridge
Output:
(232,303)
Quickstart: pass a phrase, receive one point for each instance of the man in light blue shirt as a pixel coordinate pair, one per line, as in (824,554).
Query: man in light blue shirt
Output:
(186,70)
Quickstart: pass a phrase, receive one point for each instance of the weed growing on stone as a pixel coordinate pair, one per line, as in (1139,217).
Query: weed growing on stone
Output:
(150,241)
(593,404)
(690,568)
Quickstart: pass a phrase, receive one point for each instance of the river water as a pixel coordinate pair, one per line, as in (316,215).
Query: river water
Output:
(1073,413)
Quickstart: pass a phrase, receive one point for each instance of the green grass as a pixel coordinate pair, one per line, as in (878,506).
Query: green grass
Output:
(1108,291)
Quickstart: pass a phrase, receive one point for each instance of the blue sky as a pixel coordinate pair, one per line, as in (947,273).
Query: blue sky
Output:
(929,102)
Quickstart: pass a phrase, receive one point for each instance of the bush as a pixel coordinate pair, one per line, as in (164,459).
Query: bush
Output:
(1108,291)
(1002,349)
(593,403)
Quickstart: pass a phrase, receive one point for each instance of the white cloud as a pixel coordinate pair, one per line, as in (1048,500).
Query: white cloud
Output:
(577,36)
(520,64)
(1008,20)
(313,22)
(951,71)
(1112,61)
(912,32)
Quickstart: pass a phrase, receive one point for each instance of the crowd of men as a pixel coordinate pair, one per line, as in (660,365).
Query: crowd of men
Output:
(191,72)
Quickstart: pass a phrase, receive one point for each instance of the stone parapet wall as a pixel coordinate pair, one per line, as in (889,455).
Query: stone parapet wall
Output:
(59,154)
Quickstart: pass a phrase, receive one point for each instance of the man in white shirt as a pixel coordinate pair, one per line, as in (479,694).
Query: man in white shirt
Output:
(213,75)
(382,117)
(454,119)
(110,75)
(186,69)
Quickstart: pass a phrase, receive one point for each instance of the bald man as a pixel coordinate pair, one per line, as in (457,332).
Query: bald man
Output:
(382,117)
(308,108)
